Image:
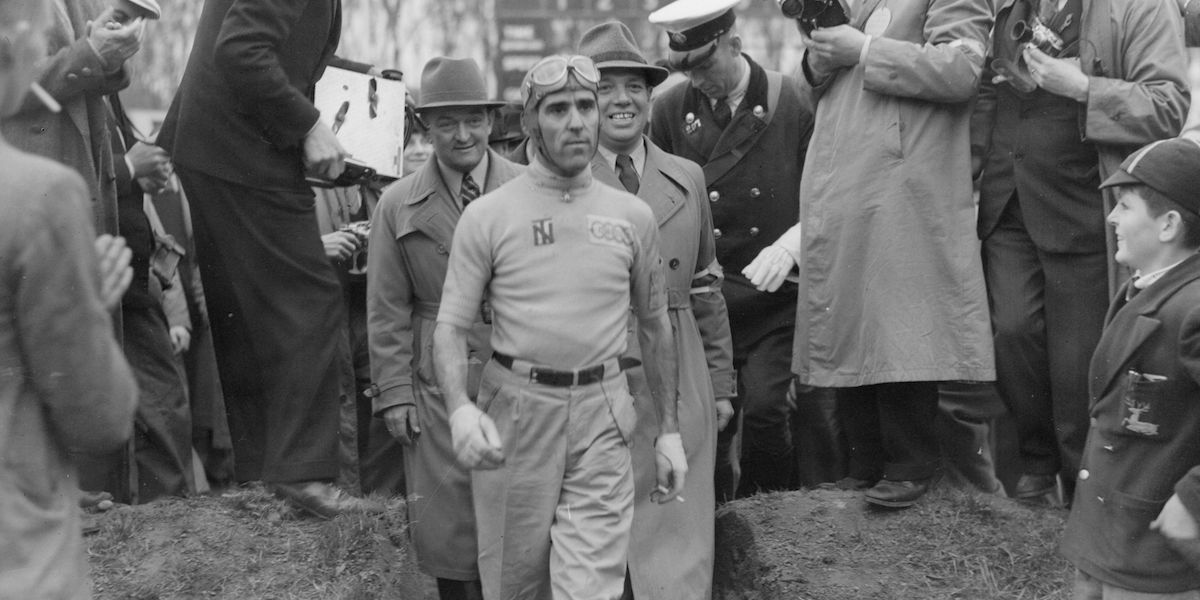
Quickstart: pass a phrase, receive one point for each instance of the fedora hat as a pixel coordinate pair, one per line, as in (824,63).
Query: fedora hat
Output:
(453,82)
(611,46)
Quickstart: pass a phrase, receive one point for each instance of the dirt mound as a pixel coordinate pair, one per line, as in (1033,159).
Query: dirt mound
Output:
(828,545)
(245,544)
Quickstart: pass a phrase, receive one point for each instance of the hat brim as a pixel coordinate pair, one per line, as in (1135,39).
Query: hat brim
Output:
(460,104)
(1121,177)
(654,74)
(684,60)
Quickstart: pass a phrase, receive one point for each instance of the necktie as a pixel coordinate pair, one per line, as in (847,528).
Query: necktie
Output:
(722,114)
(469,190)
(627,174)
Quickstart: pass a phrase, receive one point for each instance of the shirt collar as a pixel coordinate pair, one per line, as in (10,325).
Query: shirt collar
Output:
(1142,282)
(638,156)
(453,179)
(735,97)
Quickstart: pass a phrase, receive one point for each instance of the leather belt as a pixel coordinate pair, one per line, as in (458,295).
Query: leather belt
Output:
(556,377)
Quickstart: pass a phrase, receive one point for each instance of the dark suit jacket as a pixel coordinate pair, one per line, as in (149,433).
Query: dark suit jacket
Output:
(78,136)
(1143,445)
(245,103)
(752,171)
(1132,51)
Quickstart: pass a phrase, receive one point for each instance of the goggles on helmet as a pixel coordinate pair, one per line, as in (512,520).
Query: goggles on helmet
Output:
(553,73)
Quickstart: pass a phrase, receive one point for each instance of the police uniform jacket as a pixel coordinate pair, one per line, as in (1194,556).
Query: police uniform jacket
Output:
(412,229)
(671,546)
(891,281)
(78,136)
(1142,446)
(1133,54)
(752,172)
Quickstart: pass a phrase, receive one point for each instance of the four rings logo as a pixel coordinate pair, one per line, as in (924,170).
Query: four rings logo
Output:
(612,232)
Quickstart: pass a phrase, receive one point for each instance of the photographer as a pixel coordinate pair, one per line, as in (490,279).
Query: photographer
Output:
(1074,87)
(892,298)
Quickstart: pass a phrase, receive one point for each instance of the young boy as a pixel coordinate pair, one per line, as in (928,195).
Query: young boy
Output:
(1138,490)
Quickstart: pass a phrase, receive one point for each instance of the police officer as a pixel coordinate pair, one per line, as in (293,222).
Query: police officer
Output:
(746,127)
(561,259)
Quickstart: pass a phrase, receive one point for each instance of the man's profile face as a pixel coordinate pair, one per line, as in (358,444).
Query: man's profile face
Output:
(569,120)
(624,102)
(459,135)
(718,75)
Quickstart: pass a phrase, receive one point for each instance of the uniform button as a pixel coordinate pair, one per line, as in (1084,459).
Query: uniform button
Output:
(1109,447)
(754,193)
(1083,474)
(717,233)
(1093,421)
(753,231)
(441,249)
(72,77)
(714,195)
(86,70)
(674,263)
(1101,499)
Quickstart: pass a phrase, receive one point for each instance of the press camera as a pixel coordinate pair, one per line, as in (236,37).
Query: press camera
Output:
(813,14)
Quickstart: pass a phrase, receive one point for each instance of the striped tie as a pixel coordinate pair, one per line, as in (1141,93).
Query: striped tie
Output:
(469,190)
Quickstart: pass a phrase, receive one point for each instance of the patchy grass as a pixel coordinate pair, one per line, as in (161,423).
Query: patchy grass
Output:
(829,545)
(246,544)
(808,545)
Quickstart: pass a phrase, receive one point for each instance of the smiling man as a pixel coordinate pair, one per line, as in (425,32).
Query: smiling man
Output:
(561,260)
(671,551)
(413,225)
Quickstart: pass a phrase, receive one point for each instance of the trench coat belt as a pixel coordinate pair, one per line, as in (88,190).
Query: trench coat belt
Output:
(426,310)
(679,299)
(560,377)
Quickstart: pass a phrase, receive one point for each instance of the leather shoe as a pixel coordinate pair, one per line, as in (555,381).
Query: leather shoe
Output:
(1034,487)
(323,500)
(897,494)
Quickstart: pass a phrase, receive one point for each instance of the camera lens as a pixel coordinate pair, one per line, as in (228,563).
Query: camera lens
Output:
(791,9)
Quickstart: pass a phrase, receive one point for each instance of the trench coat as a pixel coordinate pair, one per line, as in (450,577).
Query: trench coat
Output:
(671,547)
(78,136)
(1142,446)
(411,233)
(891,283)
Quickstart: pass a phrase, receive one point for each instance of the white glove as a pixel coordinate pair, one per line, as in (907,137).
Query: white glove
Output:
(768,270)
(476,440)
(672,468)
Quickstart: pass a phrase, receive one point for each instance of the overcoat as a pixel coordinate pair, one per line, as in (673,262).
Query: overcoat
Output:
(891,283)
(752,177)
(1133,54)
(412,229)
(78,136)
(671,547)
(63,378)
(1142,447)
